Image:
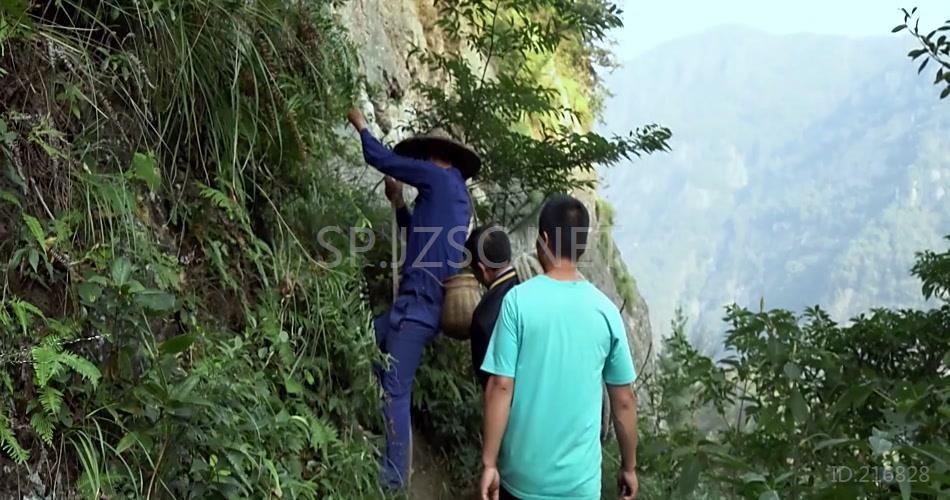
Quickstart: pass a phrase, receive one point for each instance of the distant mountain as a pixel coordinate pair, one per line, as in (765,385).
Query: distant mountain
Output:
(805,170)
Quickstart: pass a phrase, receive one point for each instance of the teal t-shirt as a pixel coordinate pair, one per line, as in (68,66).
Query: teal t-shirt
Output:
(560,341)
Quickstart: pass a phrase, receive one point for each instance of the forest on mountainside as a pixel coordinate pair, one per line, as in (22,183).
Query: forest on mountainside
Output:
(806,169)
(797,405)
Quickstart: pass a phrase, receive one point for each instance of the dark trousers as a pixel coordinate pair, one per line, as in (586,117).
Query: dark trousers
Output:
(405,344)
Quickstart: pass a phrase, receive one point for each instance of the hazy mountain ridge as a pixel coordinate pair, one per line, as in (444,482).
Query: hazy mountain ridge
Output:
(805,169)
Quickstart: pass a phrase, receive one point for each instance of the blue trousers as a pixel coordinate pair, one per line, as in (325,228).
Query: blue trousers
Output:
(405,343)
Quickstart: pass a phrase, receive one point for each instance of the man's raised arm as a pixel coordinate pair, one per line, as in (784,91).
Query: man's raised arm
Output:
(416,173)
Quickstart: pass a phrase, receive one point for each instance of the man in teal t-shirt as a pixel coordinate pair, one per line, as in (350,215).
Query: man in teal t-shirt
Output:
(557,341)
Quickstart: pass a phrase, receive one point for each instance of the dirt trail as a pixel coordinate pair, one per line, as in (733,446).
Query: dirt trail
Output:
(429,478)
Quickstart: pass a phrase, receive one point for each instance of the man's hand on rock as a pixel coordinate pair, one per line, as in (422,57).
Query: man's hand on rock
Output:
(356,118)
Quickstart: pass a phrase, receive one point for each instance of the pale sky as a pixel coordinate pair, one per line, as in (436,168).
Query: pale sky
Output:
(648,23)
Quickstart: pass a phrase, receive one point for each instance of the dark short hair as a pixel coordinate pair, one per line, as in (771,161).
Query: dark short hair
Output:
(489,245)
(566,222)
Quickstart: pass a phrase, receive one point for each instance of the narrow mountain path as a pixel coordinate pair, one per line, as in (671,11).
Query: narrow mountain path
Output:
(430,481)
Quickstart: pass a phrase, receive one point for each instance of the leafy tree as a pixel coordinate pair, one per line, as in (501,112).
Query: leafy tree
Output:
(934,47)
(806,408)
(531,142)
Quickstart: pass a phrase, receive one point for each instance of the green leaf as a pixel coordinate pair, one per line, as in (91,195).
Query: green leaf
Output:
(752,477)
(23,311)
(83,367)
(135,287)
(52,400)
(7,381)
(43,427)
(14,8)
(156,301)
(121,270)
(923,65)
(34,259)
(914,54)
(9,197)
(89,292)
(145,168)
(905,487)
(792,371)
(322,433)
(36,229)
(769,495)
(798,406)
(16,178)
(47,362)
(899,28)
(783,477)
(854,397)
(9,443)
(127,442)
(177,344)
(99,280)
(277,491)
(182,391)
(831,442)
(292,386)
(945,93)
(689,477)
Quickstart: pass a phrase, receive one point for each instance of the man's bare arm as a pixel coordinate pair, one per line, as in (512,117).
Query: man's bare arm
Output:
(623,405)
(498,396)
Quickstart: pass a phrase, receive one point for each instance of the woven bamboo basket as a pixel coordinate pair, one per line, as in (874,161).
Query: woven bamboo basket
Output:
(462,294)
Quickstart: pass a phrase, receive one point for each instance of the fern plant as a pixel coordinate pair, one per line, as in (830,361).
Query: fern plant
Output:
(49,363)
(52,368)
(8,441)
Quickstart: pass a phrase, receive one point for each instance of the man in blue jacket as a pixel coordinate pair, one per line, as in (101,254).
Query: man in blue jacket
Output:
(436,231)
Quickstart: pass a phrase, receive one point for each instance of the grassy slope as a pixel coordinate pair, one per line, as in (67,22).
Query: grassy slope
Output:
(163,171)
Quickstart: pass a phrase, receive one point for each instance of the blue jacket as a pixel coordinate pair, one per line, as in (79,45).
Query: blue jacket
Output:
(436,230)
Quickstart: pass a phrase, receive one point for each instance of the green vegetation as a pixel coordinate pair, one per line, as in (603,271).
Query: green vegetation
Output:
(531,135)
(934,47)
(805,408)
(626,284)
(170,326)
(172,332)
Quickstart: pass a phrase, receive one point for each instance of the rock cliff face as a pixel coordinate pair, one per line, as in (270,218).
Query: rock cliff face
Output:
(385,32)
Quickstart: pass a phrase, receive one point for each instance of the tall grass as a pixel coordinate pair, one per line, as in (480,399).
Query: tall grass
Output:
(179,158)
